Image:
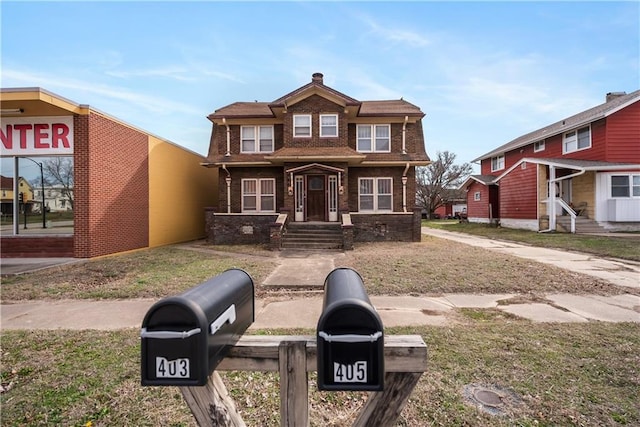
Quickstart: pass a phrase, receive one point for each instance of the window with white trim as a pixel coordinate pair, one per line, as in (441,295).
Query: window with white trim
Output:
(476,196)
(259,195)
(302,125)
(375,194)
(538,146)
(625,186)
(497,163)
(374,138)
(256,139)
(328,125)
(576,140)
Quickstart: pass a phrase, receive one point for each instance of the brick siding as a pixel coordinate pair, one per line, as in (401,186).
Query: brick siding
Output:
(37,246)
(112,190)
(223,229)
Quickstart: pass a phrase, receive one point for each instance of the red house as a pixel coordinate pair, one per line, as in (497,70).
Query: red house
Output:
(580,174)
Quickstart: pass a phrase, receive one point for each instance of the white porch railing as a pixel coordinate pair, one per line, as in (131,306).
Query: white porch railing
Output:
(569,210)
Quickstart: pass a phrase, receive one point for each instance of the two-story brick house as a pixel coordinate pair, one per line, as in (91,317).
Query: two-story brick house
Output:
(580,174)
(316,155)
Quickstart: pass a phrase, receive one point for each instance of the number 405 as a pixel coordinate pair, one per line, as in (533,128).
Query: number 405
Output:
(356,373)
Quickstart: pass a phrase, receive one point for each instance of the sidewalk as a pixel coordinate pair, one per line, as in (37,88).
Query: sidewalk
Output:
(311,269)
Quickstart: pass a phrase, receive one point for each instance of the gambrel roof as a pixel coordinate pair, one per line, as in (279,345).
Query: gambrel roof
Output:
(258,110)
(567,124)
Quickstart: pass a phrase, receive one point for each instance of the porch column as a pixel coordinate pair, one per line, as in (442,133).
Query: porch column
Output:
(404,193)
(552,198)
(228,181)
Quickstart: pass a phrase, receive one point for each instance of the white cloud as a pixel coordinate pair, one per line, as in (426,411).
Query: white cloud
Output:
(94,90)
(169,72)
(395,35)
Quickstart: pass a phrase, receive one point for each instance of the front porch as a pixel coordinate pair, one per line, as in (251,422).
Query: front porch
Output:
(273,229)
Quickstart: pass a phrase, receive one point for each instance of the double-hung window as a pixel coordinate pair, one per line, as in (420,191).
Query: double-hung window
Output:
(625,186)
(374,138)
(256,139)
(259,195)
(497,163)
(302,125)
(375,194)
(576,140)
(328,125)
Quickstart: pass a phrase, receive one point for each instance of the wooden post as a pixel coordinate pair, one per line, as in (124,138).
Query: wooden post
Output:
(211,404)
(383,408)
(294,389)
(295,356)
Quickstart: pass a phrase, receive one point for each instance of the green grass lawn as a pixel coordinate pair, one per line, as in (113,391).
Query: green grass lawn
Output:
(582,374)
(561,374)
(611,245)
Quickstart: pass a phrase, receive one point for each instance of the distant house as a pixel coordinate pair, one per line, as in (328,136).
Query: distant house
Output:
(580,174)
(319,158)
(57,198)
(451,209)
(7,195)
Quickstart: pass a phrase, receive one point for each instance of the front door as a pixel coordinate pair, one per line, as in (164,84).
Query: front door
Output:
(316,198)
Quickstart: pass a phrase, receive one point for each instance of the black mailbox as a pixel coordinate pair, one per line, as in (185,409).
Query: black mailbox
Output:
(350,337)
(184,337)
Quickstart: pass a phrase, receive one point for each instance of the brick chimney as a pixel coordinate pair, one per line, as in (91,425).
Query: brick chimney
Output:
(614,95)
(317,78)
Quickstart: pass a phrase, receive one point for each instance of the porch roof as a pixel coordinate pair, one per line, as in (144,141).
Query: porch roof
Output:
(313,154)
(482,179)
(592,165)
(575,164)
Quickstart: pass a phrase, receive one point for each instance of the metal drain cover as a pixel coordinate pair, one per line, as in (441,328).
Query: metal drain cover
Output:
(492,399)
(488,397)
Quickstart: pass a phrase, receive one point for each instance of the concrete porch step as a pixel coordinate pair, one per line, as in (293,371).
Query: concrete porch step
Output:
(583,225)
(312,236)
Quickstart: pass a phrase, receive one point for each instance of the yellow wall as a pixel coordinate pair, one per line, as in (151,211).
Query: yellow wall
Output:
(179,190)
(583,190)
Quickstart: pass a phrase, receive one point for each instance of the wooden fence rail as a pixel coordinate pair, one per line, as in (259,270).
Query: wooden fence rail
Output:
(293,357)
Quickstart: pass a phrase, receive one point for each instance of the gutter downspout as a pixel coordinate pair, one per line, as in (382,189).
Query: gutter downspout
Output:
(552,195)
(228,153)
(404,188)
(228,181)
(404,135)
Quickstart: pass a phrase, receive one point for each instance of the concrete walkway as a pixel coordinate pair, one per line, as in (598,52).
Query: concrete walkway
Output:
(311,270)
(621,273)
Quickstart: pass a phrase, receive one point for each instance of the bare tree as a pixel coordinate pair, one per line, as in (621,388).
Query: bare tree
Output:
(58,172)
(437,183)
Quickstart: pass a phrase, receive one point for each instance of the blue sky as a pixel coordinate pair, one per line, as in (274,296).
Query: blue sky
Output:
(483,72)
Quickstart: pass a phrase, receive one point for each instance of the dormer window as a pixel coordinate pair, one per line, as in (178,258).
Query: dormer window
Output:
(374,138)
(302,125)
(328,125)
(256,139)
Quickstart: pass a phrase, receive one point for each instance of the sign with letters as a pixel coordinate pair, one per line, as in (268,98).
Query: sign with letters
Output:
(35,136)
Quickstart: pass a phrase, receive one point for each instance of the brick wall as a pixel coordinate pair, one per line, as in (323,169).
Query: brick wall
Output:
(237,174)
(399,227)
(112,176)
(383,172)
(223,229)
(37,246)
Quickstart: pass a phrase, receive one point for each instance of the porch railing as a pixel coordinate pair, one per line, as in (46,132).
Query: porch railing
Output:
(570,211)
